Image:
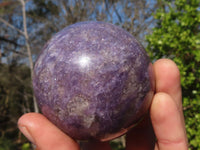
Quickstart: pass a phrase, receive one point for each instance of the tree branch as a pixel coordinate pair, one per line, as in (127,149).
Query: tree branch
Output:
(11,26)
(107,7)
(28,49)
(17,52)
(4,4)
(9,41)
(117,13)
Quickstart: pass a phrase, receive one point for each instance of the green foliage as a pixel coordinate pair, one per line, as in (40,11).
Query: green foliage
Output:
(117,146)
(6,144)
(177,36)
(15,99)
(26,146)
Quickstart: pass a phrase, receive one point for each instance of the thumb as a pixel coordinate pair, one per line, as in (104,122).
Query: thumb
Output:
(45,135)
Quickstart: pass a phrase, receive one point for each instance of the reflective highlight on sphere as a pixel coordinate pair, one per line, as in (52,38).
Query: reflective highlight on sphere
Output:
(94,81)
(84,61)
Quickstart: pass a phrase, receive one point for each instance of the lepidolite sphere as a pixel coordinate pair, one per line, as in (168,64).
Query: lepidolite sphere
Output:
(94,81)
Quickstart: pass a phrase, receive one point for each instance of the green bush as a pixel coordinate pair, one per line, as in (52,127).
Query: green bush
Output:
(177,36)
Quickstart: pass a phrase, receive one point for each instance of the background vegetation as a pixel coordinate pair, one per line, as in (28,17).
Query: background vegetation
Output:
(167,28)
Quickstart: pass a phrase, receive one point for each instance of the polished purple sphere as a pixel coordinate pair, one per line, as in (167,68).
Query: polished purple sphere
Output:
(93,80)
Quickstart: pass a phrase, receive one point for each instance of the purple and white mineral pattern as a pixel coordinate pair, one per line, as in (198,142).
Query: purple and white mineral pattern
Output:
(94,81)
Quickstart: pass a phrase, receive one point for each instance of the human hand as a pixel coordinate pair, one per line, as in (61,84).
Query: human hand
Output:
(163,129)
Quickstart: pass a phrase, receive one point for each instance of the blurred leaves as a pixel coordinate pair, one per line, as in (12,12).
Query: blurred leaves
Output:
(176,36)
(6,144)
(26,146)
(15,99)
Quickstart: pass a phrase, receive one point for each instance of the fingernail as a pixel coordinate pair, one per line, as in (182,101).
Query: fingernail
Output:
(26,133)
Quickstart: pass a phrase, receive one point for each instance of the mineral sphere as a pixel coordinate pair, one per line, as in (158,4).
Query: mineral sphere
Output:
(93,80)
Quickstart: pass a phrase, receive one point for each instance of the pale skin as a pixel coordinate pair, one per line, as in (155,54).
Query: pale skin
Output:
(162,129)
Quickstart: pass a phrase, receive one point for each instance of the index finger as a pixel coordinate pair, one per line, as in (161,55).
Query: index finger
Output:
(166,110)
(168,80)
